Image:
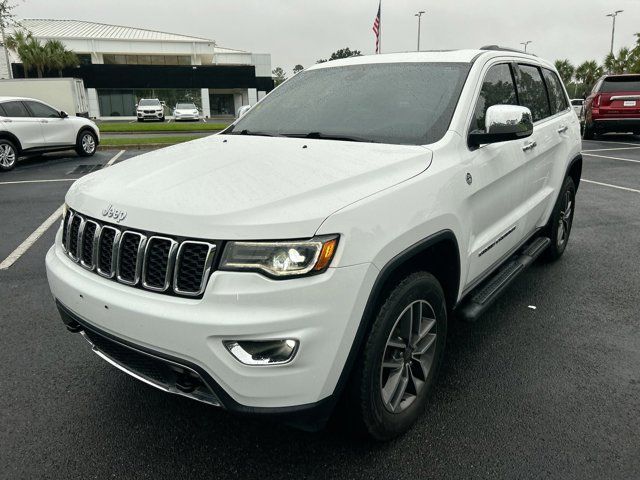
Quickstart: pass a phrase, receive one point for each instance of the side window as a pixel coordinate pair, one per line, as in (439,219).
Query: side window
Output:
(532,92)
(557,97)
(15,109)
(41,110)
(2,112)
(497,89)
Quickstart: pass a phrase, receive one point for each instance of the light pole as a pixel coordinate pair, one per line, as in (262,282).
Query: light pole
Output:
(419,15)
(525,45)
(613,28)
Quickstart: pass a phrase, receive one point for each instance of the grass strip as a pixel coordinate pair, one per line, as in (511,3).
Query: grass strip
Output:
(160,127)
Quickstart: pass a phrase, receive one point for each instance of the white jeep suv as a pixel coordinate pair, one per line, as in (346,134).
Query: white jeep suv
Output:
(318,247)
(31,127)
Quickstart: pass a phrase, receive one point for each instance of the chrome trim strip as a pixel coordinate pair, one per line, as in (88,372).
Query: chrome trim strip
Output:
(93,241)
(170,263)
(139,257)
(114,250)
(65,246)
(205,274)
(625,97)
(211,399)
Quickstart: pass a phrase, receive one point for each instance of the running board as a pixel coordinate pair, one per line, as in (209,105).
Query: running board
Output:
(481,298)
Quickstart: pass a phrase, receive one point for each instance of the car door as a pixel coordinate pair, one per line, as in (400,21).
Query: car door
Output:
(548,146)
(57,131)
(18,120)
(494,175)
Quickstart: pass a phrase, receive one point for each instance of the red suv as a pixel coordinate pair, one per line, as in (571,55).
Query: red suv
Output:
(613,106)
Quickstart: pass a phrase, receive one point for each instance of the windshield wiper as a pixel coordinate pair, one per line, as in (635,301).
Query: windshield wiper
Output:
(330,136)
(255,134)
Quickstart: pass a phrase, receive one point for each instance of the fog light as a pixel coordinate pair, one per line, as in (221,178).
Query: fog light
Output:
(263,352)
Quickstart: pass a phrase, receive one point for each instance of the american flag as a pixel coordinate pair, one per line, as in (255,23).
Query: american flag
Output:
(376,27)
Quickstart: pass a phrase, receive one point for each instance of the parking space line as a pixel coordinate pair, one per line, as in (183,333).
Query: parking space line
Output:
(40,181)
(609,185)
(31,239)
(605,149)
(611,158)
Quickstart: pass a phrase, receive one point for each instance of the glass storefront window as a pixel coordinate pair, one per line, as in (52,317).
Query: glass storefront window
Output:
(222,104)
(113,59)
(122,102)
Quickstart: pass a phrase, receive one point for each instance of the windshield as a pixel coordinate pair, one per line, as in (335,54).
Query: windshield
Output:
(398,103)
(149,103)
(185,106)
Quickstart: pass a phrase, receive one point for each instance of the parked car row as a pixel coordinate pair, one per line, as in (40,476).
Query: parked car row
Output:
(153,109)
(29,126)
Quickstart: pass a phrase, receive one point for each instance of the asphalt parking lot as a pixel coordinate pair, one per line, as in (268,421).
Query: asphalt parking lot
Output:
(550,392)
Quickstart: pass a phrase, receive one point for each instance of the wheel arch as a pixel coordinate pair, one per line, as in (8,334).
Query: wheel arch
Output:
(84,128)
(574,170)
(437,254)
(10,136)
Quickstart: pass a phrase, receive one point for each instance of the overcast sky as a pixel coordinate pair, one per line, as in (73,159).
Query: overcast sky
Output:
(302,31)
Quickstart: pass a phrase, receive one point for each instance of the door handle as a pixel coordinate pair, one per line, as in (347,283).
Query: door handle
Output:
(44,121)
(529,146)
(563,129)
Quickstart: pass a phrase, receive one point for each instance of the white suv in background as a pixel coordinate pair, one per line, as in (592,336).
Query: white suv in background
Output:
(150,109)
(31,127)
(317,248)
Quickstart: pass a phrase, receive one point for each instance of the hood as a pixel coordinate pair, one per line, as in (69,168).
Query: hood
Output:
(244,187)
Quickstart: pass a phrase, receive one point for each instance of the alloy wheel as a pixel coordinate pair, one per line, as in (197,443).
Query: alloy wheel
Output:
(408,356)
(7,156)
(88,143)
(566,217)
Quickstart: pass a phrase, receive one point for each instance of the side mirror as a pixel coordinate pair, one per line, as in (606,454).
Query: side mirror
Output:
(503,123)
(63,114)
(163,104)
(243,109)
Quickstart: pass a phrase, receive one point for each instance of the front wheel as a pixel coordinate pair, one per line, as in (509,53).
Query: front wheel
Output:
(400,360)
(87,143)
(8,155)
(559,226)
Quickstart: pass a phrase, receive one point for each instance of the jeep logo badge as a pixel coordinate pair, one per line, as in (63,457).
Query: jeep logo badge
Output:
(117,215)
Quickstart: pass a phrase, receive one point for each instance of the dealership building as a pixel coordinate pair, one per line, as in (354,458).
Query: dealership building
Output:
(119,65)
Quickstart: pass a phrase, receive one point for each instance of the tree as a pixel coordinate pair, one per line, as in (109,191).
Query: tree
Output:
(566,70)
(587,73)
(59,57)
(7,19)
(297,69)
(621,63)
(278,76)
(53,55)
(342,53)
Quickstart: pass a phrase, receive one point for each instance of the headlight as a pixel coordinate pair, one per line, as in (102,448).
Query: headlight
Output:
(283,259)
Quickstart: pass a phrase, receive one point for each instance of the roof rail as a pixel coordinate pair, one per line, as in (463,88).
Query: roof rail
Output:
(504,49)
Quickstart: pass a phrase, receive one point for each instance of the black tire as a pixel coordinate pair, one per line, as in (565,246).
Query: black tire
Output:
(162,119)
(368,409)
(560,235)
(87,143)
(588,133)
(8,155)
(141,120)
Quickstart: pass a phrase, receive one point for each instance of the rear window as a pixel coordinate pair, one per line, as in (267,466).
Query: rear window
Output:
(557,97)
(621,84)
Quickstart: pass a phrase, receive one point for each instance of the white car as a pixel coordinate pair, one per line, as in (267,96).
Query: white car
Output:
(31,127)
(150,109)
(317,248)
(186,111)
(578,106)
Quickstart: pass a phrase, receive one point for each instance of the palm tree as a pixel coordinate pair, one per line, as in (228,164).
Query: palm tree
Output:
(59,57)
(620,63)
(18,43)
(588,73)
(566,70)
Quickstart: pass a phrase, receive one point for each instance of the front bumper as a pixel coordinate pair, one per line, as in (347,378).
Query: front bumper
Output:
(186,116)
(322,312)
(153,115)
